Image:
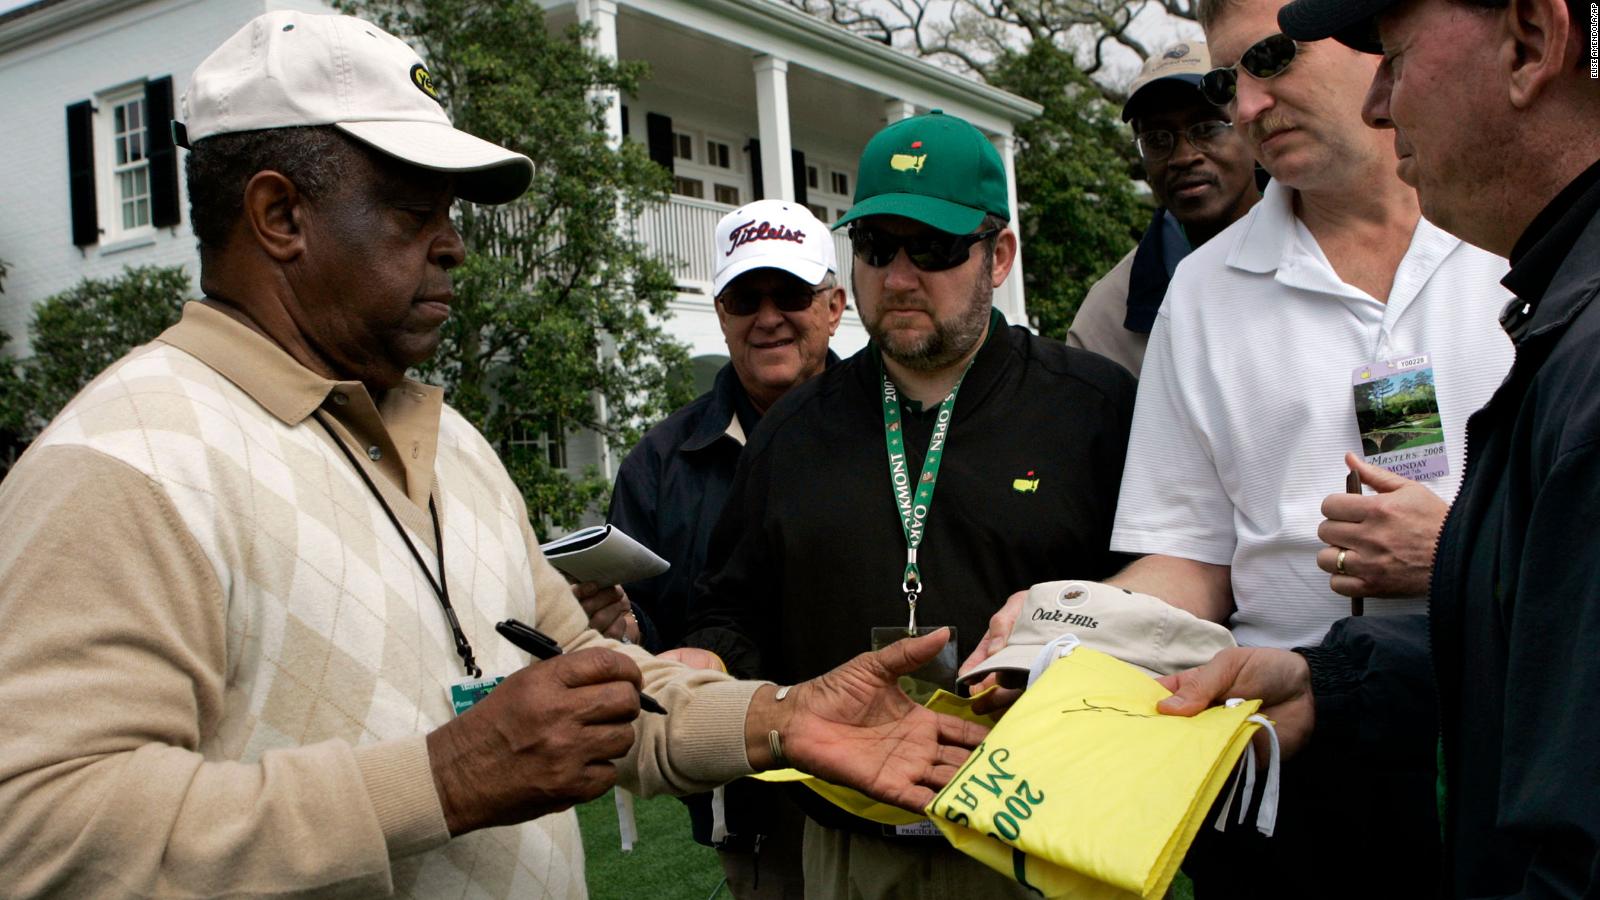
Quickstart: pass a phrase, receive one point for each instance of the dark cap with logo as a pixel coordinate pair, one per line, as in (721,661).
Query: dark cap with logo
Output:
(936,169)
(1352,23)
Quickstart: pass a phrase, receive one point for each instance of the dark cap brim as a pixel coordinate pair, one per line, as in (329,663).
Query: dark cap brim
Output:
(1352,23)
(1188,78)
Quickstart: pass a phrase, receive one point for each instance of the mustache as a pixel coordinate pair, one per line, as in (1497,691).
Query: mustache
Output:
(1177,180)
(896,302)
(1262,128)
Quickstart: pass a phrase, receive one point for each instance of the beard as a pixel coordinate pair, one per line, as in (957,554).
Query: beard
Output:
(952,338)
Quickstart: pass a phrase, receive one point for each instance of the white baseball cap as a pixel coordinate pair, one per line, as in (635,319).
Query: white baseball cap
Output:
(289,69)
(1139,629)
(773,234)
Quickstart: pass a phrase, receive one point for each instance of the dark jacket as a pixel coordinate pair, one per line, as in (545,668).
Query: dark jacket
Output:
(1362,794)
(1514,616)
(809,553)
(1119,310)
(669,492)
(1516,586)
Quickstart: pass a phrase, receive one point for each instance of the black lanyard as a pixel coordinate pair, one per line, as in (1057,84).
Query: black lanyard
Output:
(441,588)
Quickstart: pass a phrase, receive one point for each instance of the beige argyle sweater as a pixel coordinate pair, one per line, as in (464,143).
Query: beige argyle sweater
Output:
(218,659)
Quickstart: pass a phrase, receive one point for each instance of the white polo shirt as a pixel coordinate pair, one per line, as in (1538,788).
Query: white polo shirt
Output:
(1245,407)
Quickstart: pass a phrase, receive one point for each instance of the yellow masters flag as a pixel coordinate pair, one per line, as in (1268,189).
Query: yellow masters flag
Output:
(1083,790)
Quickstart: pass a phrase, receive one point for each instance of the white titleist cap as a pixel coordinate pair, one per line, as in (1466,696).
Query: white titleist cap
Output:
(289,69)
(1136,628)
(773,234)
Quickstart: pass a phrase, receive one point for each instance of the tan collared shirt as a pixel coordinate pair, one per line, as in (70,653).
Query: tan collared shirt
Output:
(398,435)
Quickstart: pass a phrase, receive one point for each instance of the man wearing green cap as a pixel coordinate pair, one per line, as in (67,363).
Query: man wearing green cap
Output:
(954,460)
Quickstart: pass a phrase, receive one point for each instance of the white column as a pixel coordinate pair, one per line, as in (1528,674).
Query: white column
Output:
(895,109)
(602,14)
(772,117)
(1009,298)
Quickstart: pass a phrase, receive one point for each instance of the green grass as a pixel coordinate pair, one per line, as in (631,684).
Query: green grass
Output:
(666,863)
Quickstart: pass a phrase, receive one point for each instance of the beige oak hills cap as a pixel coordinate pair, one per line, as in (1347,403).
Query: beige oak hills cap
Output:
(1150,634)
(289,69)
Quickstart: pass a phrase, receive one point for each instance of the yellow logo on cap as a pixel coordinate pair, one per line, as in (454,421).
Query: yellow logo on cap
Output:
(905,162)
(423,81)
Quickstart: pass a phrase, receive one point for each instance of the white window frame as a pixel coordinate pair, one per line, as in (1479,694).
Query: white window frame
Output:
(822,195)
(681,137)
(700,169)
(713,142)
(548,438)
(109,172)
(679,175)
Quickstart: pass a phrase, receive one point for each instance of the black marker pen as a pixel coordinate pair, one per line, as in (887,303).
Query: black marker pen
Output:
(543,646)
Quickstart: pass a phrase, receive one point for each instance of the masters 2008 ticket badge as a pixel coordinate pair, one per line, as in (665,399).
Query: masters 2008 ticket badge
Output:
(1397,410)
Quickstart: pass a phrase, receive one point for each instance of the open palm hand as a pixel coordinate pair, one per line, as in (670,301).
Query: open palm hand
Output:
(854,726)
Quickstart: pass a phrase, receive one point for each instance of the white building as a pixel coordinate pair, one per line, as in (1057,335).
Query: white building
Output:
(745,99)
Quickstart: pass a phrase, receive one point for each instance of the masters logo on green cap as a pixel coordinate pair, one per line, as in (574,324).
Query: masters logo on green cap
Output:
(936,169)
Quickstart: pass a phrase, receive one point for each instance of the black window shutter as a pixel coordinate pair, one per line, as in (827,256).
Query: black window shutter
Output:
(80,174)
(658,132)
(799,160)
(624,120)
(164,205)
(757,188)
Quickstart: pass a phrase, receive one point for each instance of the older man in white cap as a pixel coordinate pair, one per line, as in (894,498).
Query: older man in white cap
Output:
(778,301)
(1203,178)
(234,664)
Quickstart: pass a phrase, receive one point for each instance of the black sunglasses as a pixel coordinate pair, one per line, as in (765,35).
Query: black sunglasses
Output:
(1266,58)
(1156,145)
(789,295)
(932,251)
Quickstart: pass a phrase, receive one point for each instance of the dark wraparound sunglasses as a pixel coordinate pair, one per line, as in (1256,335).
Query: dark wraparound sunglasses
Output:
(790,295)
(932,251)
(1266,58)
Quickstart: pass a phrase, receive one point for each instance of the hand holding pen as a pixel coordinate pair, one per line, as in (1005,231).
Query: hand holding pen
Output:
(542,646)
(543,740)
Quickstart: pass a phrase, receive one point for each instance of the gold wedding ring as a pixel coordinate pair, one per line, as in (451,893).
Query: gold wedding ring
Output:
(1338,562)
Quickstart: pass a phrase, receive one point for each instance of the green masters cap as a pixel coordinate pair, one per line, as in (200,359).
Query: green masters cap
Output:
(937,169)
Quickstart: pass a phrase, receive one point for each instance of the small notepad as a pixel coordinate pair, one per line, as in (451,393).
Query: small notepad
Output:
(603,554)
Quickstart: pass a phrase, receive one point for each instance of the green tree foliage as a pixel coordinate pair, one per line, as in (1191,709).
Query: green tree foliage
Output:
(12,405)
(1076,168)
(78,333)
(1079,210)
(554,326)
